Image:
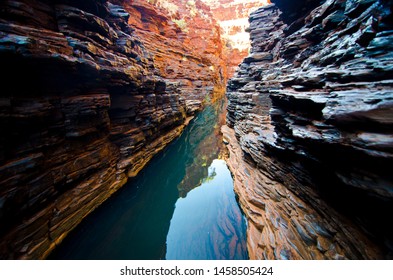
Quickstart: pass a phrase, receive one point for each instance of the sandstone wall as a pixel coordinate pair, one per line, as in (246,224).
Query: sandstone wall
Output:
(89,95)
(311,108)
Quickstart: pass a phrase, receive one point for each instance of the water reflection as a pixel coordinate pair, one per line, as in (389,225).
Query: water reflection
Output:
(206,139)
(208,224)
(134,222)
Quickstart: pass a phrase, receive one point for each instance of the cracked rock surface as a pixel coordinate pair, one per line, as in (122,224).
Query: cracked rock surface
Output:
(310,127)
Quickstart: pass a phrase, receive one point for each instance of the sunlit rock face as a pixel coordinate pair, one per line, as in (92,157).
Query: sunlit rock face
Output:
(232,16)
(205,21)
(185,45)
(101,88)
(311,146)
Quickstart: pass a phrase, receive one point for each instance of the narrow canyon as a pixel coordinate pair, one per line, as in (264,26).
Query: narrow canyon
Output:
(94,91)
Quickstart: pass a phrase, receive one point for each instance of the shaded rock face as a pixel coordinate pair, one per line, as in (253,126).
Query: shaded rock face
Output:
(88,97)
(311,145)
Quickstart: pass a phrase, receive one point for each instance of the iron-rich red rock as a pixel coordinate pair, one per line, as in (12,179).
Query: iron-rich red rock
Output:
(311,109)
(91,91)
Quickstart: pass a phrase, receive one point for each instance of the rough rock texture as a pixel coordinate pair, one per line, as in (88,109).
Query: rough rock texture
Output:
(232,16)
(88,97)
(185,45)
(311,108)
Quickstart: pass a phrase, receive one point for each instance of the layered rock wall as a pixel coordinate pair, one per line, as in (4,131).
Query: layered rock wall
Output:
(185,44)
(91,90)
(232,16)
(311,141)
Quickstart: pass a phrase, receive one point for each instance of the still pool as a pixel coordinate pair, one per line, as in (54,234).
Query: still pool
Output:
(180,206)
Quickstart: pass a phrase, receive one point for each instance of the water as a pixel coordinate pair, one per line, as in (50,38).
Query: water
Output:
(205,224)
(180,206)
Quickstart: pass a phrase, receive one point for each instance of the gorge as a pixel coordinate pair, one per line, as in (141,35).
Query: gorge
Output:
(180,206)
(93,90)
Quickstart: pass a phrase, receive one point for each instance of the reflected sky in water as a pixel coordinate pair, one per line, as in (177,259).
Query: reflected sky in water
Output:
(139,219)
(206,223)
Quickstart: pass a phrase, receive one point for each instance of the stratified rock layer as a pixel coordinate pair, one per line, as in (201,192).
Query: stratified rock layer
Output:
(86,101)
(232,16)
(311,108)
(184,43)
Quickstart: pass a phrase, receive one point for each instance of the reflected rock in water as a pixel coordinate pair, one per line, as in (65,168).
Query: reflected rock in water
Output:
(208,224)
(206,144)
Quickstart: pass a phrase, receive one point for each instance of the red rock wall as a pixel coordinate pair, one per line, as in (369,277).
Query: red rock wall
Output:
(91,91)
(311,145)
(185,47)
(232,16)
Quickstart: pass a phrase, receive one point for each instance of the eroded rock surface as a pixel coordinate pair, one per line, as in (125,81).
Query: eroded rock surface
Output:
(91,91)
(311,108)
(184,42)
(232,16)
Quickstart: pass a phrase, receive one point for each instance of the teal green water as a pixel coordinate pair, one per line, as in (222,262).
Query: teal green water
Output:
(206,224)
(180,206)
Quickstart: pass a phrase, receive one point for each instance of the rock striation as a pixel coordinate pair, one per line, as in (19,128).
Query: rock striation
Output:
(91,91)
(232,16)
(184,42)
(310,130)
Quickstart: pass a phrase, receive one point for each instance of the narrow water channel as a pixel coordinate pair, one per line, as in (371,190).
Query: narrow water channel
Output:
(180,206)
